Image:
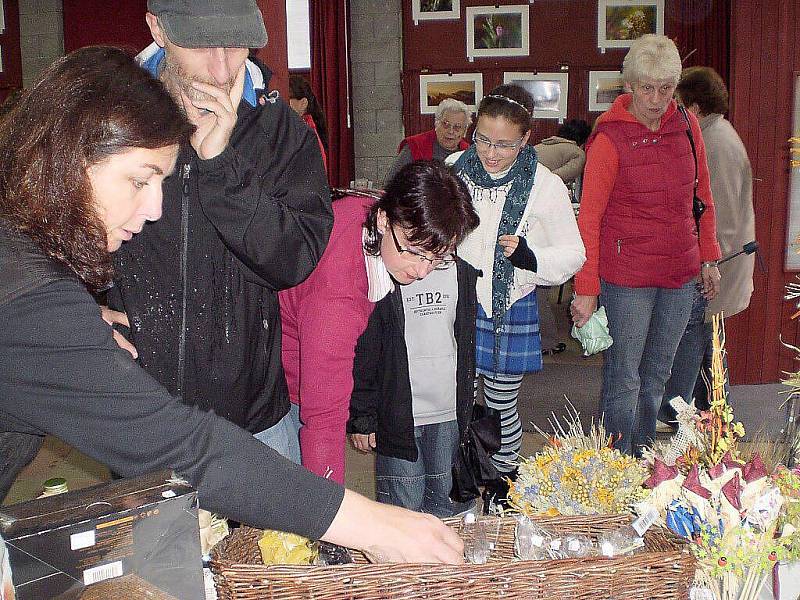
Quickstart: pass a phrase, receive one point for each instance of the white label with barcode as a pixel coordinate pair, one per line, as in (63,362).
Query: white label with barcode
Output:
(102,572)
(85,539)
(646,520)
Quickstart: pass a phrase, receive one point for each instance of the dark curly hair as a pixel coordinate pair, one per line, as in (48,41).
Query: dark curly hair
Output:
(86,107)
(299,88)
(430,203)
(511,102)
(703,86)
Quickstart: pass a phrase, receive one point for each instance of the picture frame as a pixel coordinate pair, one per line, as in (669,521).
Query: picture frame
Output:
(550,92)
(498,31)
(620,22)
(433,88)
(435,10)
(604,87)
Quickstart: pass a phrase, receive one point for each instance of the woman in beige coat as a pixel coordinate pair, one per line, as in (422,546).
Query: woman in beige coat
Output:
(702,91)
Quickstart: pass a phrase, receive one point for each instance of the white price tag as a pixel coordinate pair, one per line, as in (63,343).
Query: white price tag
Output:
(537,540)
(103,572)
(645,520)
(78,541)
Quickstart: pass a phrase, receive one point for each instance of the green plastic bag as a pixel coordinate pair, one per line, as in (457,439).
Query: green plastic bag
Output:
(594,336)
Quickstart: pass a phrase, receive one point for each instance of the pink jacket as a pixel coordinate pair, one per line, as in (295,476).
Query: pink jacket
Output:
(322,319)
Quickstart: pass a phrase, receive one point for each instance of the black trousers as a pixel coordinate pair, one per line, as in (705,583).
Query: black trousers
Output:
(16,451)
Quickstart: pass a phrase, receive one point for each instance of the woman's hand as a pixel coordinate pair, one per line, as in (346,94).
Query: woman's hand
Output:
(388,533)
(363,442)
(709,273)
(214,116)
(582,308)
(113,317)
(509,244)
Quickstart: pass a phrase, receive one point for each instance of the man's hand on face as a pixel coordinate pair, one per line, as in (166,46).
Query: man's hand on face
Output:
(214,116)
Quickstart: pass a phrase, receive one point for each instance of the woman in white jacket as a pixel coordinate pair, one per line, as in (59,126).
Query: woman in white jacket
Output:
(527,237)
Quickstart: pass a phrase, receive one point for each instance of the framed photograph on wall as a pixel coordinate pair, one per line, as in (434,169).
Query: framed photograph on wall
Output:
(793,218)
(549,91)
(619,22)
(435,10)
(497,30)
(604,87)
(467,87)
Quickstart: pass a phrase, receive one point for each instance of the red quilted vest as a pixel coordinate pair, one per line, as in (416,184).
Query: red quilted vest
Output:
(648,236)
(421,145)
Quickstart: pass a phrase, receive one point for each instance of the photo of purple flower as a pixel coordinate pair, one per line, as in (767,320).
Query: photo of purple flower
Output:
(498,31)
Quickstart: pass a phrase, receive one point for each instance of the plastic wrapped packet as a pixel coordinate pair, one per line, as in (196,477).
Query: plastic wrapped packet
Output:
(594,335)
(531,542)
(576,546)
(331,554)
(281,548)
(476,542)
(620,542)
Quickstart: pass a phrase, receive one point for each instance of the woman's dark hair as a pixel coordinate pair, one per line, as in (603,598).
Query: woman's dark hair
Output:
(510,102)
(430,203)
(703,86)
(86,107)
(299,88)
(576,130)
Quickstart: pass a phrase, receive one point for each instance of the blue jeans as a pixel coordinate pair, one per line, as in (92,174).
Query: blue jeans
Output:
(646,325)
(688,360)
(422,485)
(282,437)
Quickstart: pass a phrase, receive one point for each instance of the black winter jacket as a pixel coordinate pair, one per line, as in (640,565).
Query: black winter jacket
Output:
(199,286)
(381,400)
(62,373)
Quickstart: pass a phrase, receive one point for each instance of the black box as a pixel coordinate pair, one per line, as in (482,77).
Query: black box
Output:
(132,538)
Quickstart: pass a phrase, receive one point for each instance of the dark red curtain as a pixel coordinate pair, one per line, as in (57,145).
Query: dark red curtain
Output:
(330,79)
(702,31)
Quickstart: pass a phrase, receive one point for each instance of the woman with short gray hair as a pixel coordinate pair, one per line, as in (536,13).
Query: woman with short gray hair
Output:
(646,162)
(451,121)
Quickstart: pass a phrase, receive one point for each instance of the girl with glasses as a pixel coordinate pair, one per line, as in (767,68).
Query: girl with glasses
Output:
(379,243)
(527,237)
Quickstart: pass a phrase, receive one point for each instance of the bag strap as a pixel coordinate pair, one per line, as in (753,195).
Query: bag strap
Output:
(698,207)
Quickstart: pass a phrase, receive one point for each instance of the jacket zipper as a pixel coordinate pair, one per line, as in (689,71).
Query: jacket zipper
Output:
(619,246)
(184,279)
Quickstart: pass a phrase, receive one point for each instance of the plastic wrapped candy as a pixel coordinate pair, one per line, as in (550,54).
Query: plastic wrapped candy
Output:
(332,554)
(476,542)
(281,548)
(531,541)
(577,546)
(594,335)
(619,542)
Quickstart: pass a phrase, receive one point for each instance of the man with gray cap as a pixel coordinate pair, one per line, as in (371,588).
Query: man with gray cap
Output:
(246,214)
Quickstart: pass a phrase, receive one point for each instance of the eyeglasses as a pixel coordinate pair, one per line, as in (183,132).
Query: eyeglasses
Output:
(648,89)
(486,144)
(454,127)
(439,263)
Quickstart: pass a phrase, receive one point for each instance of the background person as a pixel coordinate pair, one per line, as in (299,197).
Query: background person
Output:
(527,236)
(82,160)
(451,121)
(378,242)
(641,237)
(248,214)
(305,103)
(702,91)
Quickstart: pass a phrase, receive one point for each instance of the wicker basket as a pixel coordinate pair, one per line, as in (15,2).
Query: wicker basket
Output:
(663,572)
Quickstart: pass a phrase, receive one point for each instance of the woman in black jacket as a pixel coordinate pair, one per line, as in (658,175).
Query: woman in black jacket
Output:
(413,381)
(82,159)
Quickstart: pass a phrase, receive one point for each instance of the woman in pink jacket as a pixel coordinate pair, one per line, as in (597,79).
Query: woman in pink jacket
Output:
(377,242)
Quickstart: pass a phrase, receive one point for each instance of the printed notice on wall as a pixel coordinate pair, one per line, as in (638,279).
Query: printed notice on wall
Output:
(793,230)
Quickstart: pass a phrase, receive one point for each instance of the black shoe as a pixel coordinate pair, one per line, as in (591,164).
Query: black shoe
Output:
(557,349)
(495,492)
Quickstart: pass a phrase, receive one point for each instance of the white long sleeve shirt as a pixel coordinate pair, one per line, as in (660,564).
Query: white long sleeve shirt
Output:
(548,226)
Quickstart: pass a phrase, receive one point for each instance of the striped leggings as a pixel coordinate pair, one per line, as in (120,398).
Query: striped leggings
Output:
(501,393)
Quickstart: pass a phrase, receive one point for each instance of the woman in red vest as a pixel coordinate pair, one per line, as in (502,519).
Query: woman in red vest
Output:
(643,255)
(451,122)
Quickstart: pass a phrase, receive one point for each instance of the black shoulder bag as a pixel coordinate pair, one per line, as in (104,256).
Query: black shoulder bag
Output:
(473,462)
(698,206)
